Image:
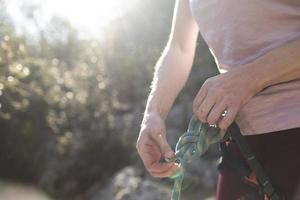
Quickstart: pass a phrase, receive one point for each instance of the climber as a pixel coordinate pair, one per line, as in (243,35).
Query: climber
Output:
(256,46)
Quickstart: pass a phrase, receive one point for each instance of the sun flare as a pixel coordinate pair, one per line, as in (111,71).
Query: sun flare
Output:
(87,15)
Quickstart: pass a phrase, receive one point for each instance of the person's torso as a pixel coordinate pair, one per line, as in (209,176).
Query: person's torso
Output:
(240,31)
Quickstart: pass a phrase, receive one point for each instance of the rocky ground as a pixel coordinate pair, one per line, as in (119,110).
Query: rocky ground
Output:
(13,191)
(131,184)
(134,183)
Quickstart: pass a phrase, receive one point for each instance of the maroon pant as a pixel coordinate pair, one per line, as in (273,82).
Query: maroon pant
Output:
(279,154)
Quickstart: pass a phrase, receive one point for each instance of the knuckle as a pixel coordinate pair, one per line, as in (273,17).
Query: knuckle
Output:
(201,117)
(212,119)
(197,112)
(197,115)
(208,81)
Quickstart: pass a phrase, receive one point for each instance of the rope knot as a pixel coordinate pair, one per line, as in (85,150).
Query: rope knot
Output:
(194,142)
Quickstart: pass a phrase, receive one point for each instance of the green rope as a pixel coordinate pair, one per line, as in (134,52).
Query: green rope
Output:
(193,143)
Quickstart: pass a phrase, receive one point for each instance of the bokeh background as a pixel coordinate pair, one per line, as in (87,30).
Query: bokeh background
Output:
(74,79)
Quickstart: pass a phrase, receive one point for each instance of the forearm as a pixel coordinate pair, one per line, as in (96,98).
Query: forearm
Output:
(171,73)
(279,65)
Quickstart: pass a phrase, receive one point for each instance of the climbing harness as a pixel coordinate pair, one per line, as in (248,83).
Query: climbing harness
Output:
(252,172)
(196,141)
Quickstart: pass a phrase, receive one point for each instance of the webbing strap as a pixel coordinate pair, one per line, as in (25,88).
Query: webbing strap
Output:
(227,159)
(253,163)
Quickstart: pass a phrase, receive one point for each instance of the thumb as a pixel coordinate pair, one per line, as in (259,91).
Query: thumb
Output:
(165,148)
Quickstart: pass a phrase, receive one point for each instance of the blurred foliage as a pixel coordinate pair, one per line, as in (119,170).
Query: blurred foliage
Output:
(57,122)
(70,107)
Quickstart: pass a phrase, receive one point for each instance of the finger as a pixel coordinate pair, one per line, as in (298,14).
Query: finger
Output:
(165,148)
(150,154)
(156,166)
(205,107)
(216,113)
(168,173)
(199,98)
(228,118)
(166,151)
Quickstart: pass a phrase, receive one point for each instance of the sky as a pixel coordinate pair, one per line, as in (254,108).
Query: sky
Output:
(86,15)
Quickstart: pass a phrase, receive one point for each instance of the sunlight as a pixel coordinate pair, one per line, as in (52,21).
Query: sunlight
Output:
(86,15)
(85,12)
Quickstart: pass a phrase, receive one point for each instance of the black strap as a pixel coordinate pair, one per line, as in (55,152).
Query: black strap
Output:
(253,163)
(229,160)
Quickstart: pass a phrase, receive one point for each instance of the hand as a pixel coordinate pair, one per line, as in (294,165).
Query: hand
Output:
(221,97)
(152,145)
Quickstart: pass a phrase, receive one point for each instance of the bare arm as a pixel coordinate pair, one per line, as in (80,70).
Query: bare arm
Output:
(174,65)
(279,65)
(171,72)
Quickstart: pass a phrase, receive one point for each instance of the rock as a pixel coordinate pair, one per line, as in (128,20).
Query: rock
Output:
(128,184)
(204,172)
(13,191)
